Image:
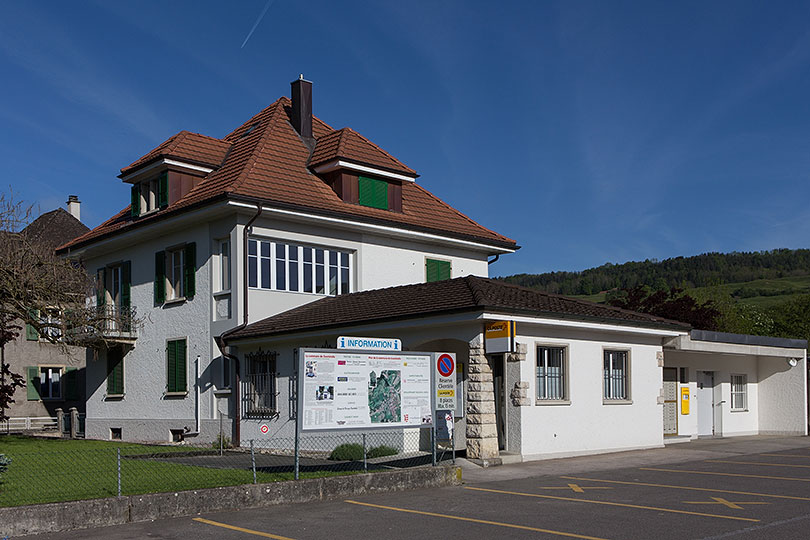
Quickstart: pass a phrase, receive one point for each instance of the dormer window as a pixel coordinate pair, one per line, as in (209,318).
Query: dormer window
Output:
(150,195)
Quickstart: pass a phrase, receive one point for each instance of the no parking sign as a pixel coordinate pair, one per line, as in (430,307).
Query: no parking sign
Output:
(445,381)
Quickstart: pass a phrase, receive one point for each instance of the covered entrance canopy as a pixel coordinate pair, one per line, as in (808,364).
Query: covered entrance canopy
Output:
(719,384)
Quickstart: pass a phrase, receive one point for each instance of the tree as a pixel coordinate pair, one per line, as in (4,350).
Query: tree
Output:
(50,294)
(672,304)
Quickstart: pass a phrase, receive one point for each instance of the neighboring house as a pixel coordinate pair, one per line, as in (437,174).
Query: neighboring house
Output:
(53,379)
(287,233)
(219,232)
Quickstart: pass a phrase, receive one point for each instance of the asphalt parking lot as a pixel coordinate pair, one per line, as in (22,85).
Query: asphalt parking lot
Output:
(738,489)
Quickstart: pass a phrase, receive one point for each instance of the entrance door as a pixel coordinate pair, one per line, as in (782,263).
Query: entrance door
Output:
(705,403)
(500,399)
(670,401)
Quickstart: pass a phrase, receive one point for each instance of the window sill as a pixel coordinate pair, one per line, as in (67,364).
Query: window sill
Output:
(113,397)
(222,392)
(617,401)
(552,402)
(738,410)
(175,394)
(222,293)
(174,301)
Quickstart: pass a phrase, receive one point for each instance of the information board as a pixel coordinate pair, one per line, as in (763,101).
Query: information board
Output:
(341,389)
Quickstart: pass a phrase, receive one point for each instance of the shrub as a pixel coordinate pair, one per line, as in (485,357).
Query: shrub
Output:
(382,451)
(226,442)
(347,452)
(4,463)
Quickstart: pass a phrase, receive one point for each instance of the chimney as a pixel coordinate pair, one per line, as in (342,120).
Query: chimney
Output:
(74,206)
(302,107)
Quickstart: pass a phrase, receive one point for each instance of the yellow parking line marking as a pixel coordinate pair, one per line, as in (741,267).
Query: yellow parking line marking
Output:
(786,455)
(240,529)
(474,520)
(687,488)
(726,474)
(725,502)
(758,463)
(608,503)
(576,488)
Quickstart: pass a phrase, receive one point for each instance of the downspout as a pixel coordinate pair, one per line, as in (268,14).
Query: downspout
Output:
(196,431)
(222,342)
(497,256)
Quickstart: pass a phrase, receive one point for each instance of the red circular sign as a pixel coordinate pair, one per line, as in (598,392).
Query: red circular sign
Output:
(445,365)
(264,428)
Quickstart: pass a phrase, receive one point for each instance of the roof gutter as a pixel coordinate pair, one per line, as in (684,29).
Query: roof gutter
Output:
(222,340)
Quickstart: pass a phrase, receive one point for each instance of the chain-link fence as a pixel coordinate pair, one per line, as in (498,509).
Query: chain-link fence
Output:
(42,471)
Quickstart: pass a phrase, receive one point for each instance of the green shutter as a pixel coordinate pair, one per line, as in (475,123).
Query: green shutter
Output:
(190,270)
(115,372)
(101,292)
(126,296)
(31,333)
(436,270)
(71,384)
(160,277)
(373,192)
(32,380)
(176,365)
(135,206)
(163,190)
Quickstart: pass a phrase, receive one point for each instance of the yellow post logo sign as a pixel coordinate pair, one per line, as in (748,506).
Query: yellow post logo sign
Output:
(499,337)
(684,400)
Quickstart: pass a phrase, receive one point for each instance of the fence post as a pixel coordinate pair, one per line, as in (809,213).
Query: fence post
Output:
(433,442)
(296,447)
(118,452)
(60,422)
(253,460)
(365,463)
(74,422)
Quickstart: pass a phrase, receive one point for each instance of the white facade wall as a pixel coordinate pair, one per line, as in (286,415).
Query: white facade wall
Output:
(585,423)
(376,261)
(146,412)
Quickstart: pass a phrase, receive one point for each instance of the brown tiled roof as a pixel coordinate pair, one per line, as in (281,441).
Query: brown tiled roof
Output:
(349,145)
(267,162)
(54,228)
(471,294)
(186,146)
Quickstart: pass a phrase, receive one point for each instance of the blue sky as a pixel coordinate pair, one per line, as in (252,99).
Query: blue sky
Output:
(590,132)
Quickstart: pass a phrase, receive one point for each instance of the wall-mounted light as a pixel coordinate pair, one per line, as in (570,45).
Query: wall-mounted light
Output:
(793,362)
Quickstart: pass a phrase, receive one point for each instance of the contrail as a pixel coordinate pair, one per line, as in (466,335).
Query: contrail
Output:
(266,7)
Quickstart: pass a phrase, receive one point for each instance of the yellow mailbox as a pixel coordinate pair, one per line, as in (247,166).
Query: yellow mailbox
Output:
(684,400)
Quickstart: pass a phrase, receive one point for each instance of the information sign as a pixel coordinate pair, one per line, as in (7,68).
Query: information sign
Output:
(369,343)
(364,390)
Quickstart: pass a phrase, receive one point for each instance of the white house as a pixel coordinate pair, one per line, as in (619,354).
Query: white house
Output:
(220,232)
(286,233)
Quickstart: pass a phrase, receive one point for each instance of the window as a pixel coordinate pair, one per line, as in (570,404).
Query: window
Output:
(373,193)
(551,373)
(224,265)
(149,195)
(226,372)
(113,289)
(50,383)
(259,390)
(115,372)
(175,273)
(290,267)
(739,392)
(436,270)
(615,375)
(176,382)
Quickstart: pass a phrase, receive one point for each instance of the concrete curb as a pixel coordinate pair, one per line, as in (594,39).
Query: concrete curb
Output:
(70,516)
